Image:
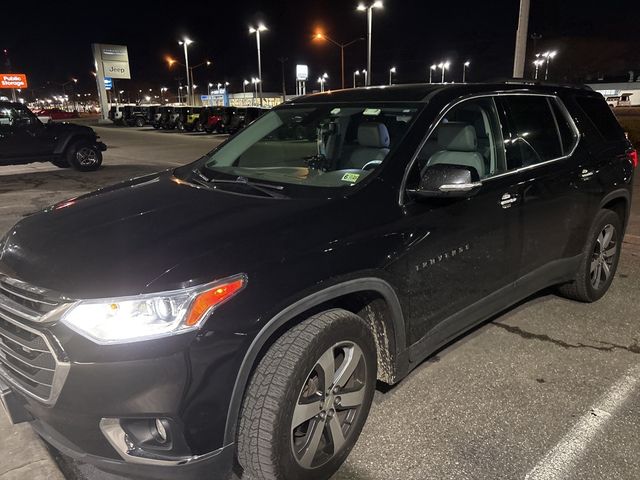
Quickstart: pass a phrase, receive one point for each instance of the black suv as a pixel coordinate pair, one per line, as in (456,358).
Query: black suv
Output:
(240,309)
(24,139)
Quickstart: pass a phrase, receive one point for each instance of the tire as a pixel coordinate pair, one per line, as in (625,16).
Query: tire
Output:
(199,127)
(180,125)
(598,265)
(84,156)
(61,163)
(291,371)
(139,122)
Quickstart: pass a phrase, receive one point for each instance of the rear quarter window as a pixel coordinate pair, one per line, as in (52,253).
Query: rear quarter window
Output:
(602,117)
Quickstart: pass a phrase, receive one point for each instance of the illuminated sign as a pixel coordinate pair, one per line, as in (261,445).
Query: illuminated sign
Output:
(302,73)
(13,80)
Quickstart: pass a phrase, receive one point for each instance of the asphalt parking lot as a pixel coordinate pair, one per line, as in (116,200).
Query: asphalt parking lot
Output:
(547,390)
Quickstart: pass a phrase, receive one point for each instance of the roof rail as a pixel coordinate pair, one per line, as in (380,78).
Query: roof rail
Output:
(531,81)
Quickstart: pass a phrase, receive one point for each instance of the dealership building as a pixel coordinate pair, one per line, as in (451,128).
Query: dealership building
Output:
(619,89)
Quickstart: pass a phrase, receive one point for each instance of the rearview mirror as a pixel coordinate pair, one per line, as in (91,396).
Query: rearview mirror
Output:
(445,180)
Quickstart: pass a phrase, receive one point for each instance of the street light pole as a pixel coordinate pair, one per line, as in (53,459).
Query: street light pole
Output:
(261,28)
(355,74)
(369,9)
(185,43)
(464,71)
(341,46)
(432,69)
(392,70)
(550,56)
(521,39)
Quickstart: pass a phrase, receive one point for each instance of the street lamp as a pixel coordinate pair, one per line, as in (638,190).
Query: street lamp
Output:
(431,70)
(244,85)
(322,80)
(366,77)
(464,71)
(392,70)
(342,46)
(162,91)
(538,63)
(369,9)
(355,74)
(252,30)
(444,66)
(255,82)
(549,56)
(186,42)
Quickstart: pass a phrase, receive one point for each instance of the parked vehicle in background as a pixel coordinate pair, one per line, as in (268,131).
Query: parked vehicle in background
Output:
(623,100)
(236,313)
(138,115)
(57,114)
(116,114)
(162,116)
(43,118)
(219,118)
(243,116)
(25,139)
(189,118)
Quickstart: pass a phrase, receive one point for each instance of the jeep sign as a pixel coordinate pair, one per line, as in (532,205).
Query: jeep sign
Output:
(116,69)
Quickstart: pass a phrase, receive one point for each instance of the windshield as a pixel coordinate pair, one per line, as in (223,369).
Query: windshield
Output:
(315,145)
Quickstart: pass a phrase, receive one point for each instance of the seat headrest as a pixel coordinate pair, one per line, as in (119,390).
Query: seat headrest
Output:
(373,135)
(457,137)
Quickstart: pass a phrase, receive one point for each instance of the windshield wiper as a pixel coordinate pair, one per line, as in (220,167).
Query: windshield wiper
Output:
(265,188)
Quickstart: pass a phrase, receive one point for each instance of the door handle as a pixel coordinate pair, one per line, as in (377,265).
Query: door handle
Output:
(507,200)
(586,174)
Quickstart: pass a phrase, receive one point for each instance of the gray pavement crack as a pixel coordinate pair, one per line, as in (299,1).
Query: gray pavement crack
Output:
(603,347)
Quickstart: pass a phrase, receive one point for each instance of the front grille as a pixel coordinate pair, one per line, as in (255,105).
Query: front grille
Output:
(27,360)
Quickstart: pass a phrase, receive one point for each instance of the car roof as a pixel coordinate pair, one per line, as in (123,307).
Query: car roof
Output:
(421,93)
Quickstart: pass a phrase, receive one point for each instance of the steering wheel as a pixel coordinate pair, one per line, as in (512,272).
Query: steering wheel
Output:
(371,164)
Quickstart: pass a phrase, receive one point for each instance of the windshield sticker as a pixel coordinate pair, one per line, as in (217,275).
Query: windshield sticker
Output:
(335,111)
(350,177)
(372,111)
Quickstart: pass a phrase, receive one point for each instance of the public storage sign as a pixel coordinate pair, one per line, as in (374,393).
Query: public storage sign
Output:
(13,80)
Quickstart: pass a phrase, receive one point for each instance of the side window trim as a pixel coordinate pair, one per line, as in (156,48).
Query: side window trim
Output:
(555,121)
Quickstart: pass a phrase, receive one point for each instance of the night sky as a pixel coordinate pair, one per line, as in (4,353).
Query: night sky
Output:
(50,41)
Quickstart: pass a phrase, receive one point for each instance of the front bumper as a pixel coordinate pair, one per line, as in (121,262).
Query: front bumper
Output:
(216,465)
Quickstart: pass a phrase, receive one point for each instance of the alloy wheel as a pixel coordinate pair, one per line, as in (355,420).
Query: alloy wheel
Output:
(87,156)
(603,256)
(328,405)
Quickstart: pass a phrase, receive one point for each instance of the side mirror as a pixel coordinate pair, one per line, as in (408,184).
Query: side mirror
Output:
(448,181)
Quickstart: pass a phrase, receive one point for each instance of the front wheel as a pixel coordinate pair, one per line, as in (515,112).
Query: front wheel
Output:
(308,399)
(139,122)
(84,156)
(599,260)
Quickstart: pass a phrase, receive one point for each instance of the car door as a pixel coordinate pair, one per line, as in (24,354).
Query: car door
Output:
(463,251)
(27,137)
(540,141)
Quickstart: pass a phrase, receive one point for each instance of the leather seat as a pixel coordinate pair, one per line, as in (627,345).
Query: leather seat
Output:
(373,145)
(458,146)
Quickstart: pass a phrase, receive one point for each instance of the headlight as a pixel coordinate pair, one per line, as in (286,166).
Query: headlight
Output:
(142,317)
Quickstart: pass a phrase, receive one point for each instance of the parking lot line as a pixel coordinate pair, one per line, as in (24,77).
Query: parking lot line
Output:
(559,462)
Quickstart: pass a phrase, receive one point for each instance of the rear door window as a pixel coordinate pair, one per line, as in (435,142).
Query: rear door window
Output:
(602,117)
(566,129)
(531,134)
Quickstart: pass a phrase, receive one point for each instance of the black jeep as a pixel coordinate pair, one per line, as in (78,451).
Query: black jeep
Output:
(24,139)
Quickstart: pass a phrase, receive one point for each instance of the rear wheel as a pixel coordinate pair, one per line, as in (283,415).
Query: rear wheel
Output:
(308,399)
(84,155)
(600,260)
(199,127)
(139,122)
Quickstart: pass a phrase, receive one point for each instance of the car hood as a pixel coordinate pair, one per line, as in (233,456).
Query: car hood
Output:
(60,128)
(127,239)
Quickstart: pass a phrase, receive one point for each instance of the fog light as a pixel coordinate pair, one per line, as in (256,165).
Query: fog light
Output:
(162,433)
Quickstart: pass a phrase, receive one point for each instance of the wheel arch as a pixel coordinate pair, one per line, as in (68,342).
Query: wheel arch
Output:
(61,149)
(619,201)
(372,298)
